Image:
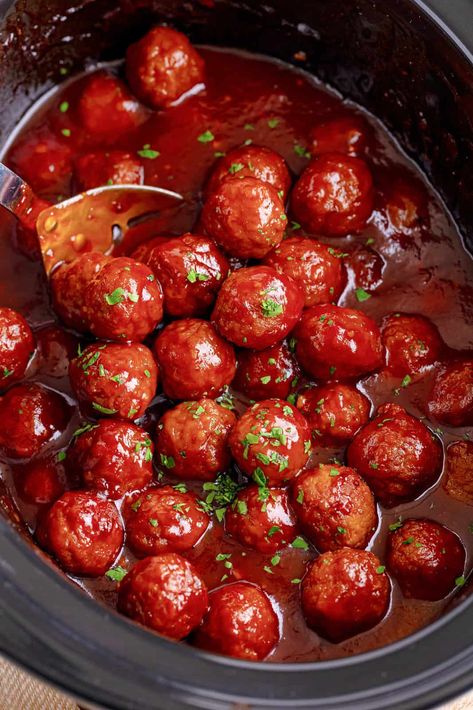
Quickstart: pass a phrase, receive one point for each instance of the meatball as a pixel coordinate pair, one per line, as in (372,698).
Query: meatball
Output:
(70,282)
(396,454)
(426,558)
(123,301)
(263,374)
(348,134)
(334,195)
(31,415)
(190,270)
(44,161)
(246,217)
(241,622)
(257,307)
(162,66)
(252,161)
(411,343)
(451,398)
(335,507)
(262,522)
(163,520)
(344,593)
(41,481)
(116,167)
(116,380)
(84,533)
(316,268)
(193,359)
(192,439)
(165,593)
(17,344)
(107,109)
(335,412)
(271,442)
(459,475)
(112,457)
(56,348)
(337,343)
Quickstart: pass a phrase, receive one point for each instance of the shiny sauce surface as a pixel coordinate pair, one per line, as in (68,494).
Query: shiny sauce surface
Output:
(425,271)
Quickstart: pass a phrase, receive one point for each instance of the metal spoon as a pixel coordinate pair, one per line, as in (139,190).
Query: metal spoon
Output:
(92,221)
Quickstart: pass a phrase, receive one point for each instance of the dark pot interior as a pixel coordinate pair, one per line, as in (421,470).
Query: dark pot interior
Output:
(389,56)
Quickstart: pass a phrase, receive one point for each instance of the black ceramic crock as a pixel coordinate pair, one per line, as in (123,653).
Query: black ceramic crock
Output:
(412,69)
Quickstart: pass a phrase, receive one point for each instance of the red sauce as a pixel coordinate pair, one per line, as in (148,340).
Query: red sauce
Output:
(424,268)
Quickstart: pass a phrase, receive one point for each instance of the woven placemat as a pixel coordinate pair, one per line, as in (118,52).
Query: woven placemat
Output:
(21,691)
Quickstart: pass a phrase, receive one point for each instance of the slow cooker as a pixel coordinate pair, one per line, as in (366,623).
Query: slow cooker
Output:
(413,69)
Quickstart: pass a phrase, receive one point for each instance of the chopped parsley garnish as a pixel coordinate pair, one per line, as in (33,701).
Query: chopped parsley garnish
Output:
(194,276)
(66,132)
(342,531)
(180,487)
(7,372)
(116,573)
(271,308)
(264,380)
(83,429)
(167,461)
(273,122)
(307,446)
(273,530)
(206,137)
(460,581)
(380,569)
(299,543)
(148,152)
(220,494)
(301,151)
(334,472)
(153,522)
(362,295)
(373,464)
(61,456)
(103,410)
(396,525)
(242,507)
(406,381)
(300,496)
(235,168)
(296,580)
(275,560)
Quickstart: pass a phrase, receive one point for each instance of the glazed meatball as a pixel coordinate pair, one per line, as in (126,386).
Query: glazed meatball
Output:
(84,533)
(56,348)
(451,398)
(459,475)
(41,481)
(190,270)
(194,360)
(116,167)
(123,301)
(44,161)
(411,343)
(163,520)
(271,442)
(116,380)
(112,457)
(334,195)
(107,109)
(396,454)
(246,217)
(17,344)
(337,343)
(70,282)
(241,622)
(335,412)
(316,268)
(343,134)
(344,593)
(263,374)
(335,507)
(192,439)
(260,521)
(162,66)
(31,415)
(252,161)
(257,307)
(165,593)
(426,558)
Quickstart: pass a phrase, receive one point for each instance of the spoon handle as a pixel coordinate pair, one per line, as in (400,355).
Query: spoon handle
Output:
(15,194)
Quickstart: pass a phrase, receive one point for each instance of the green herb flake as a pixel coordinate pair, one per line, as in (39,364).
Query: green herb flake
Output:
(271,308)
(147,373)
(334,472)
(265,380)
(307,446)
(273,122)
(61,456)
(116,573)
(273,530)
(275,560)
(180,487)
(66,132)
(242,507)
(406,381)
(206,137)
(167,461)
(300,496)
(460,581)
(193,276)
(301,151)
(380,569)
(296,580)
(103,410)
(64,106)
(396,525)
(148,152)
(299,543)
(362,295)
(115,297)
(153,522)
